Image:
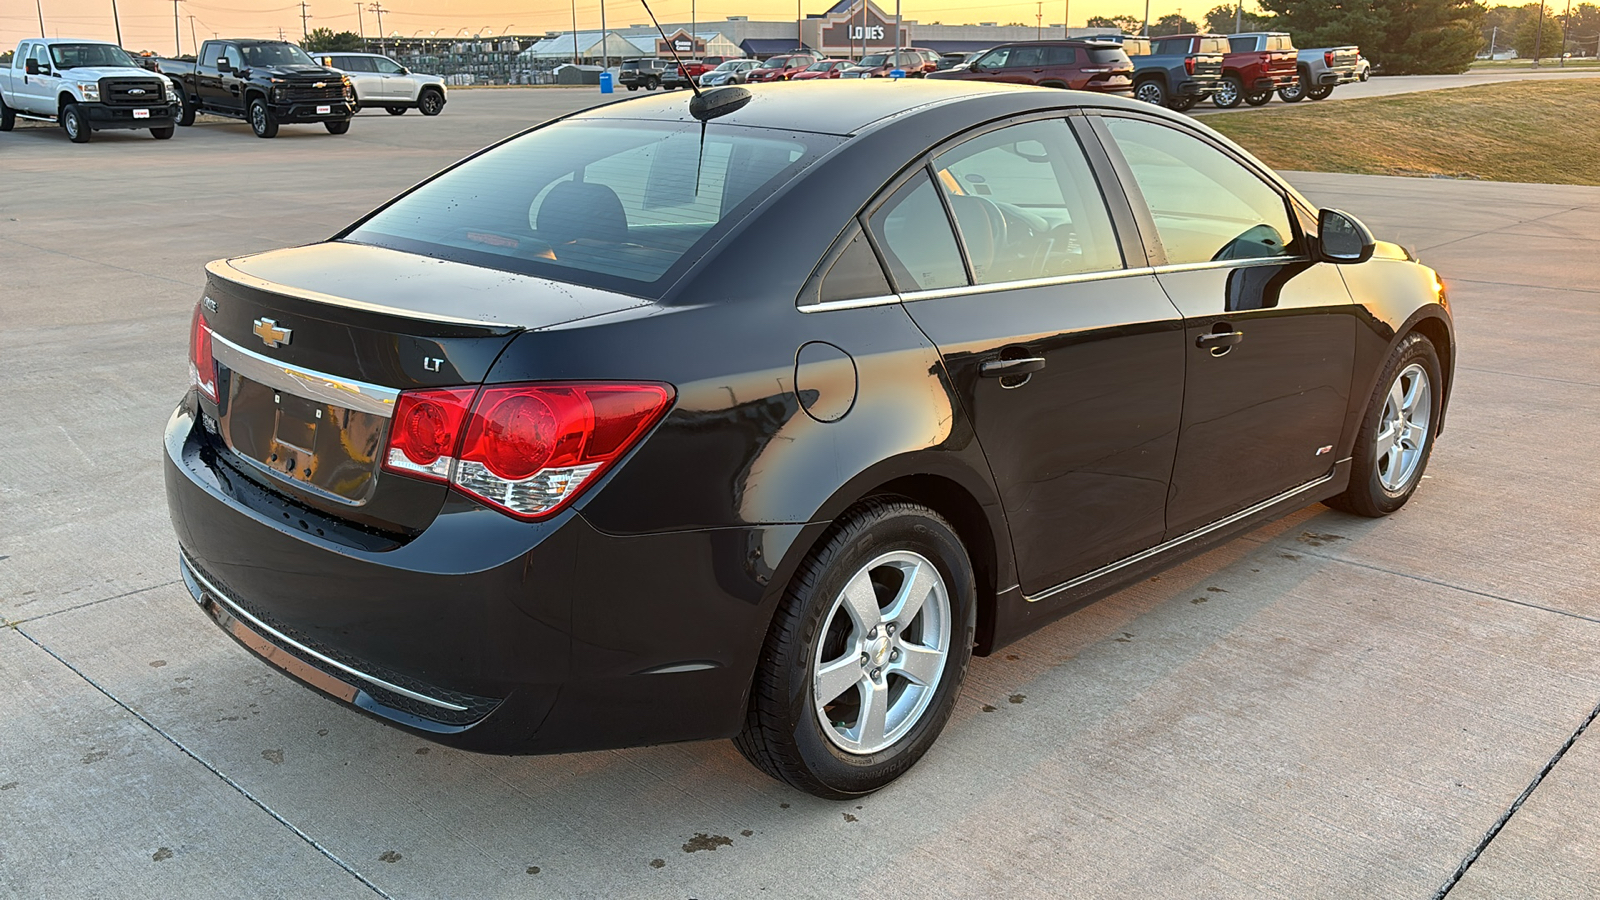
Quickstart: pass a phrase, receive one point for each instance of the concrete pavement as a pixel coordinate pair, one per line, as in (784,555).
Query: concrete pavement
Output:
(1327,707)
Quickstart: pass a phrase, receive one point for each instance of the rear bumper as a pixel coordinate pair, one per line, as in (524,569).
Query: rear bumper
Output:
(1269,83)
(104,118)
(1195,87)
(483,632)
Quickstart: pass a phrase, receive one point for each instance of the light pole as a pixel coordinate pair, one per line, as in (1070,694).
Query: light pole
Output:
(1538,36)
(1238,17)
(361,24)
(574,32)
(1066,19)
(117,20)
(1146,31)
(1566,20)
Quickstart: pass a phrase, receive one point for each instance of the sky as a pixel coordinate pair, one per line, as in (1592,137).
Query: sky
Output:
(147,24)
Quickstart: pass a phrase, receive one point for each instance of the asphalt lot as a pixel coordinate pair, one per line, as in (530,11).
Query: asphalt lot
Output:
(1327,707)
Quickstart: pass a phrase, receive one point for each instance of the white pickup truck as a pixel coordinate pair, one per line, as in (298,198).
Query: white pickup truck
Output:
(85,86)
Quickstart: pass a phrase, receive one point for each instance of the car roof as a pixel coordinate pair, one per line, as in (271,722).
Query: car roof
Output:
(51,42)
(846,107)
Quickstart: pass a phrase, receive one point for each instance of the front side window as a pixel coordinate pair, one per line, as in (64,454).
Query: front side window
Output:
(776,62)
(1207,206)
(874,59)
(231,54)
(913,232)
(1027,204)
(995,59)
(613,205)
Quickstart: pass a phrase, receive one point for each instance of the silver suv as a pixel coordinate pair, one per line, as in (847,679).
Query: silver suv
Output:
(380,81)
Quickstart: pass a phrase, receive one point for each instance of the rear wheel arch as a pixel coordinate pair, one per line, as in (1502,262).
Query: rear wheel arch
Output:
(1160,77)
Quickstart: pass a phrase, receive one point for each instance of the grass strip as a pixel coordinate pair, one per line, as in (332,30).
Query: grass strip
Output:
(1545,132)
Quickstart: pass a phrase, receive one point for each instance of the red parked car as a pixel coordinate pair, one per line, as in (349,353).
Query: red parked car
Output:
(824,68)
(1078,65)
(914,61)
(782,68)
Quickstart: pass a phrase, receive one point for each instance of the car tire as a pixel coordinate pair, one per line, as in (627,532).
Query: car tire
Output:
(395,110)
(1392,447)
(1230,92)
(8,118)
(430,103)
(73,123)
(1292,93)
(633,87)
(884,554)
(261,120)
(1365,75)
(186,113)
(652,84)
(164,133)
(340,127)
(1151,91)
(1183,104)
(1260,99)
(1321,92)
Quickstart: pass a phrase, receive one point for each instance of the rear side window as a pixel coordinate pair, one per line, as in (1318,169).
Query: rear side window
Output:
(914,234)
(852,273)
(1027,204)
(1207,206)
(1060,56)
(611,204)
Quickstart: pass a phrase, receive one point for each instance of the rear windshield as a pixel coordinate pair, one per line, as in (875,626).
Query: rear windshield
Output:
(1172,46)
(1213,45)
(1108,56)
(620,205)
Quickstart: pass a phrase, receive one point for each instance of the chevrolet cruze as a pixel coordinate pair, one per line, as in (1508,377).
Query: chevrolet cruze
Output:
(757,416)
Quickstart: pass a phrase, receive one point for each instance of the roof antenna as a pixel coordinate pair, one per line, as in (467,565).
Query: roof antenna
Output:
(705,105)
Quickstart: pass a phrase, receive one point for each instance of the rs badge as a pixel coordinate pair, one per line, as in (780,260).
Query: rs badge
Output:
(271,334)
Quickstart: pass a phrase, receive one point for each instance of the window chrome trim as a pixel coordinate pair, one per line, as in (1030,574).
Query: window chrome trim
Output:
(1076,278)
(359,396)
(206,587)
(1169,268)
(1198,533)
(858,303)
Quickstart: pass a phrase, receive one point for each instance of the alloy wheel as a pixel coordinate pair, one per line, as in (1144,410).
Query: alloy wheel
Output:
(1151,92)
(1403,429)
(1227,93)
(883,650)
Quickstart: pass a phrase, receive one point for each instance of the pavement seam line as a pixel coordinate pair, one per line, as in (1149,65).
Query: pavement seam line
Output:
(1524,375)
(42,616)
(1541,287)
(1498,826)
(1443,584)
(243,791)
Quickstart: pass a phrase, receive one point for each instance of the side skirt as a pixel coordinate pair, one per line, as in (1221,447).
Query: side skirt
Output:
(1021,614)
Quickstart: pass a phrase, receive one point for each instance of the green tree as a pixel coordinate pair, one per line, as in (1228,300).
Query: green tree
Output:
(1582,28)
(1221,19)
(1500,25)
(324,40)
(1531,43)
(1405,37)
(5,58)
(1172,23)
(1128,24)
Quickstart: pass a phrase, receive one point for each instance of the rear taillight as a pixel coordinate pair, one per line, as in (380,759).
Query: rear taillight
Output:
(202,365)
(1327,58)
(525,449)
(1188,64)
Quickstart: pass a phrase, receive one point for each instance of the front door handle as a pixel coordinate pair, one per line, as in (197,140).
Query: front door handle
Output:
(1218,340)
(1000,368)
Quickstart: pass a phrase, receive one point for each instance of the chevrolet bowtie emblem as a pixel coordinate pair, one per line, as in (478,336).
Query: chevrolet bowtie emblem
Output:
(320,84)
(271,334)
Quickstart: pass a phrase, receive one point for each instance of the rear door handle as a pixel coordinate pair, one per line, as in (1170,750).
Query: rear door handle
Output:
(1000,368)
(1216,340)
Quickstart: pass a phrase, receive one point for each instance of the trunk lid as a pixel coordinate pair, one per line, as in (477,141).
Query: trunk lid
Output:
(1207,66)
(313,345)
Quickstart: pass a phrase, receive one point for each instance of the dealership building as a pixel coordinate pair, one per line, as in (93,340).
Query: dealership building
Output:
(848,29)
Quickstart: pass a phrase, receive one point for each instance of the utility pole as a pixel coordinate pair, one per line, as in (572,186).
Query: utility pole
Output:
(117,20)
(605,47)
(1038,24)
(361,24)
(1238,17)
(799,29)
(1538,36)
(177,36)
(37,5)
(1146,31)
(377,7)
(574,32)
(693,25)
(1066,19)
(897,32)
(1493,33)
(1566,23)
(193,40)
(305,30)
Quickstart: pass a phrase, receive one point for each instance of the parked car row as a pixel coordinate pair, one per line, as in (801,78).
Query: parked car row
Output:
(88,86)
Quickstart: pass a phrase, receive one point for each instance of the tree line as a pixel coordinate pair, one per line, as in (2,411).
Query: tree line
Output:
(1402,37)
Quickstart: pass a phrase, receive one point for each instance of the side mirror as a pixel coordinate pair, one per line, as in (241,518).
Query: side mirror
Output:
(1342,238)
(222,65)
(31,66)
(404,71)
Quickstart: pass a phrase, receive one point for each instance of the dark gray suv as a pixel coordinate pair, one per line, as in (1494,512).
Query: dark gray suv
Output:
(643,73)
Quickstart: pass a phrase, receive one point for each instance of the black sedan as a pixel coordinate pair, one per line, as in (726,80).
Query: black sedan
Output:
(638,427)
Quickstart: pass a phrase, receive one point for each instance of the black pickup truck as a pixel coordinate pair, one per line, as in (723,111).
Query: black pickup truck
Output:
(266,83)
